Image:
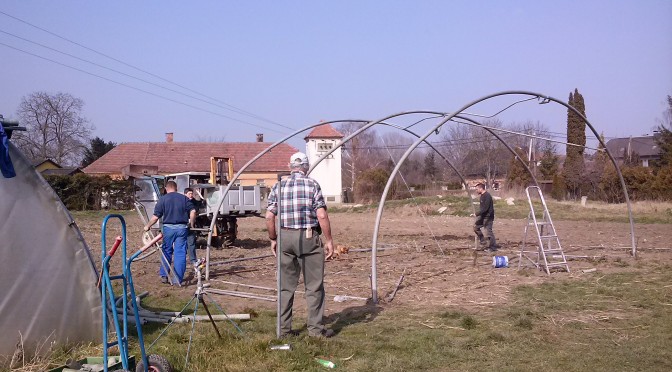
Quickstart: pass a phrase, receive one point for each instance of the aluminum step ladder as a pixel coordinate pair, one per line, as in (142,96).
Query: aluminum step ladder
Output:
(548,254)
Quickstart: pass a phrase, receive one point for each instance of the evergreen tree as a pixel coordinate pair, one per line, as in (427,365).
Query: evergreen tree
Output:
(664,136)
(548,166)
(517,174)
(573,168)
(430,170)
(97,148)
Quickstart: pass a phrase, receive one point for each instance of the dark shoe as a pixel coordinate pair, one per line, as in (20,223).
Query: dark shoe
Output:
(291,333)
(164,280)
(326,333)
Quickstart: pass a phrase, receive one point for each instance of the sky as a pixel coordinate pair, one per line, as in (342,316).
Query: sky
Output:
(213,70)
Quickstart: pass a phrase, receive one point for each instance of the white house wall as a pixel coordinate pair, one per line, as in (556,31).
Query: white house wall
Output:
(328,172)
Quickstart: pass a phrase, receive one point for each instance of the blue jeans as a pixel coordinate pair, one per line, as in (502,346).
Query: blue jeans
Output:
(174,241)
(191,246)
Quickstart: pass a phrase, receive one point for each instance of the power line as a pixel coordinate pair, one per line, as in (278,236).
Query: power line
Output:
(140,89)
(125,74)
(231,107)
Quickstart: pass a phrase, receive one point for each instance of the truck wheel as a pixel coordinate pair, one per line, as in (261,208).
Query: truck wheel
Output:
(157,363)
(216,242)
(201,243)
(232,232)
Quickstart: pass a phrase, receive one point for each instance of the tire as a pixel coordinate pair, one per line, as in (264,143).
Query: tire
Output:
(157,363)
(232,232)
(216,242)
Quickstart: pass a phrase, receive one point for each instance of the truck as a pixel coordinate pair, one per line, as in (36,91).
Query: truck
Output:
(240,201)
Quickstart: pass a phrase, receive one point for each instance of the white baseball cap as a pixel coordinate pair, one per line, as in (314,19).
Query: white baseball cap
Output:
(299,158)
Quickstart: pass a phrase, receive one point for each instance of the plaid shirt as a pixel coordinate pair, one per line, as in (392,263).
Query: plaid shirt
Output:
(301,198)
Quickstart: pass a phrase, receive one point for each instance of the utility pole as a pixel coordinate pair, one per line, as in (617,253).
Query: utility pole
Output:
(529,152)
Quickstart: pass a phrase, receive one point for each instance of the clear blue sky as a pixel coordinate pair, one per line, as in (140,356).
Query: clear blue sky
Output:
(298,62)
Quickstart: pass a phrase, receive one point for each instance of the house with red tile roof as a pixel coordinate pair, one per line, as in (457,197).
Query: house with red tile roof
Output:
(176,157)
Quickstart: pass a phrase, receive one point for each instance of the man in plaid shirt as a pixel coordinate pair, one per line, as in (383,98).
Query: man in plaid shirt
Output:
(302,211)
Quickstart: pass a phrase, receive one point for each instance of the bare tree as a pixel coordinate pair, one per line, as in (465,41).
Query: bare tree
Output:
(362,152)
(531,128)
(476,152)
(209,138)
(55,126)
(534,147)
(394,147)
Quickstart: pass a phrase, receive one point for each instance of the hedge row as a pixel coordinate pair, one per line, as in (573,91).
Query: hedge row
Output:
(643,183)
(84,192)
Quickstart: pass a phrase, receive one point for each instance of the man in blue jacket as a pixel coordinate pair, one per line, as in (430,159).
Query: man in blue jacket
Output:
(178,215)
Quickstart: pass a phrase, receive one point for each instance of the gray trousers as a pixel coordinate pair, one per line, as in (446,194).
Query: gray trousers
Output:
(301,255)
(489,239)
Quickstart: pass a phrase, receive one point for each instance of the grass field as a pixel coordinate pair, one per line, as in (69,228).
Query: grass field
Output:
(613,322)
(643,212)
(618,318)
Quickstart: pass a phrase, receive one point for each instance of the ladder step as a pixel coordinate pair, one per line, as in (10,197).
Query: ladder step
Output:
(553,250)
(548,236)
(557,264)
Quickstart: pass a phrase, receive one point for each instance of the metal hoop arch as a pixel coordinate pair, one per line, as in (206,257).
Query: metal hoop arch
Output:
(374,286)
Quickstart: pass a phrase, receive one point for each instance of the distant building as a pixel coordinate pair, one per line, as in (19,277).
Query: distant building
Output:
(625,148)
(176,157)
(328,173)
(48,167)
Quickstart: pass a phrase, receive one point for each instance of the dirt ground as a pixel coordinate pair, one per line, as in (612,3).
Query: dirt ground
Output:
(434,253)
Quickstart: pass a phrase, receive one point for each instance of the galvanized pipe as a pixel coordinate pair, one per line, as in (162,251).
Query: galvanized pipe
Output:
(241,294)
(237,175)
(374,288)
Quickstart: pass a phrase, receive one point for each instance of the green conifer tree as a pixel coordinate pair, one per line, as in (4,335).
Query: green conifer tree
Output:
(573,167)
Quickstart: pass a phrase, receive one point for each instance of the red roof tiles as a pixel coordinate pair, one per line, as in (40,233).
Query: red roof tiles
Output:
(324,131)
(178,157)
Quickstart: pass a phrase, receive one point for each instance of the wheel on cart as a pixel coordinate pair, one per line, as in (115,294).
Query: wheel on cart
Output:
(157,363)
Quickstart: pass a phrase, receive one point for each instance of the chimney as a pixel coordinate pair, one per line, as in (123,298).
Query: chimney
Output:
(169,137)
(260,137)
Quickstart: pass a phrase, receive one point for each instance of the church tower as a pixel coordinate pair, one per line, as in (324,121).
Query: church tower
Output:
(328,173)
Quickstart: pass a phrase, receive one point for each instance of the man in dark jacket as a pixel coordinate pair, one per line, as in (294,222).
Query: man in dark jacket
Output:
(484,219)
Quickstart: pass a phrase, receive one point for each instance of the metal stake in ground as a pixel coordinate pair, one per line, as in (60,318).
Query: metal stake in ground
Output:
(278,252)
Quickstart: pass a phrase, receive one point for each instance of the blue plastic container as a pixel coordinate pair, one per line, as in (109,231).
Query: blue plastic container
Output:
(500,261)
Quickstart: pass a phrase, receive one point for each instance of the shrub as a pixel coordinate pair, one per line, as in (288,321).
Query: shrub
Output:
(84,192)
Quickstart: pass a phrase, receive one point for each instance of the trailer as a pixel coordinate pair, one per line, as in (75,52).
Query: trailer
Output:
(208,187)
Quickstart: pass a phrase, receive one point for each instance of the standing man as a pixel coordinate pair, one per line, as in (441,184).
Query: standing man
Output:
(303,213)
(178,215)
(484,219)
(191,237)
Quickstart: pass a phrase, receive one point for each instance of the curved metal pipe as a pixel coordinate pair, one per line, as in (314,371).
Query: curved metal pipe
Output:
(374,250)
(254,159)
(383,197)
(515,154)
(405,129)
(235,178)
(374,256)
